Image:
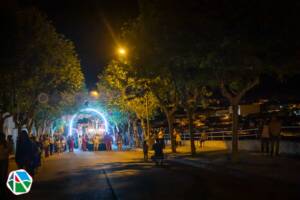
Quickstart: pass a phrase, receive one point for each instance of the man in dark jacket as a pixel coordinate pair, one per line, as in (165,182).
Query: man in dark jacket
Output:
(158,152)
(25,153)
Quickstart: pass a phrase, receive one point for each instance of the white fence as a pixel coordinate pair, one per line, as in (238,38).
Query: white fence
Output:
(227,135)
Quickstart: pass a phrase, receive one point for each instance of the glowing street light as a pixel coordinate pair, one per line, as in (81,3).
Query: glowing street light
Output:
(94,94)
(122,51)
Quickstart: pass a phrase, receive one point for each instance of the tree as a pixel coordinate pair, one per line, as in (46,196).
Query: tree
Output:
(126,93)
(240,45)
(41,62)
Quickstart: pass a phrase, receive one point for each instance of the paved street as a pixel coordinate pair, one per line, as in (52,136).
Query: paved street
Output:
(123,175)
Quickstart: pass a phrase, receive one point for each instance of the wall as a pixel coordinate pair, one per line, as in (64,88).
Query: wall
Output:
(288,147)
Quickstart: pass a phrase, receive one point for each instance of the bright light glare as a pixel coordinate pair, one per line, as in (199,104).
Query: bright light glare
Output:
(94,93)
(88,110)
(121,51)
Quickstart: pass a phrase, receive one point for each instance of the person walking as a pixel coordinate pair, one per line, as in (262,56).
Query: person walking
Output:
(4,155)
(265,137)
(145,151)
(158,153)
(275,130)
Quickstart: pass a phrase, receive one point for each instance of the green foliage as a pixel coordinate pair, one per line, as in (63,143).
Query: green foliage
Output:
(43,62)
(125,93)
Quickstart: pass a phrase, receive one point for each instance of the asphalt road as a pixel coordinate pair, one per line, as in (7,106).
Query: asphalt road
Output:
(123,175)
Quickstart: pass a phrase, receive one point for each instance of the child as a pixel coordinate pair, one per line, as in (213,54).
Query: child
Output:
(145,150)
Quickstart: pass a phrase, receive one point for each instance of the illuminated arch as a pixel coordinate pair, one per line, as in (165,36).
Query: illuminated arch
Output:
(88,110)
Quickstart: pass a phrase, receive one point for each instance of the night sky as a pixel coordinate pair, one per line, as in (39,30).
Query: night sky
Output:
(85,23)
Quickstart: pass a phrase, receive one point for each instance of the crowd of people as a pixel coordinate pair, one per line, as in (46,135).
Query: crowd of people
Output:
(31,150)
(93,142)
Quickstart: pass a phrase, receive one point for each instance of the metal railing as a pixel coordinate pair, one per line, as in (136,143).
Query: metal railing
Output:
(227,135)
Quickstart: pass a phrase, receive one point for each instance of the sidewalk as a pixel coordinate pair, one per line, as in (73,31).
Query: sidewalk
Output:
(283,168)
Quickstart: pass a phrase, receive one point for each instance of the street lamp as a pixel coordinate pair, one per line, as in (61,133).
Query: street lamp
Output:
(94,94)
(121,51)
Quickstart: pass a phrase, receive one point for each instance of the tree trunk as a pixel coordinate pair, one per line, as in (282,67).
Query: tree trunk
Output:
(135,133)
(191,131)
(1,123)
(144,128)
(235,122)
(128,132)
(29,126)
(170,119)
(2,120)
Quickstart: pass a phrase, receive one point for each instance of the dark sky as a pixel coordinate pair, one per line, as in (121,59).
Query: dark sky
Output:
(85,23)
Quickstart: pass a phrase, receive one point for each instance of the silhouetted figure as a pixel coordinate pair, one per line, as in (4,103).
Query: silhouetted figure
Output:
(46,145)
(25,153)
(265,138)
(10,144)
(119,142)
(84,142)
(275,130)
(158,153)
(160,137)
(51,141)
(4,153)
(203,138)
(145,151)
(108,142)
(37,153)
(71,144)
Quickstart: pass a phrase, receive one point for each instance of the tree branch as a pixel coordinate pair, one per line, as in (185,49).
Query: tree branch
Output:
(225,92)
(248,87)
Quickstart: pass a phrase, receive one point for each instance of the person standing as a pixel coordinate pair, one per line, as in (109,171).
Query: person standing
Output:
(63,144)
(4,155)
(109,142)
(51,142)
(96,141)
(160,137)
(79,141)
(10,144)
(145,151)
(84,141)
(119,142)
(177,137)
(71,144)
(25,153)
(265,137)
(46,145)
(203,138)
(37,153)
(275,130)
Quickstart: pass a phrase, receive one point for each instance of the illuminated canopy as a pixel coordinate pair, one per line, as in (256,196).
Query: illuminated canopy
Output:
(88,110)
